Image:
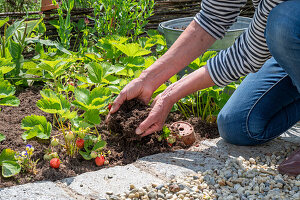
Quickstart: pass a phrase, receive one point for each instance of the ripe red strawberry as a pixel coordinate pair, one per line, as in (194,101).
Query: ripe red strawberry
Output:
(80,143)
(99,160)
(54,163)
(109,106)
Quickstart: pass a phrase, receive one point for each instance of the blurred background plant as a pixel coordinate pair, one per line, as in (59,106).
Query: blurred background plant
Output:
(19,5)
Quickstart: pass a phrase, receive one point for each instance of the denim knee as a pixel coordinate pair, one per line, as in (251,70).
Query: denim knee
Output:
(280,32)
(232,129)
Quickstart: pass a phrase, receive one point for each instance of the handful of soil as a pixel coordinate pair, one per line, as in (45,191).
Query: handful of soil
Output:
(128,118)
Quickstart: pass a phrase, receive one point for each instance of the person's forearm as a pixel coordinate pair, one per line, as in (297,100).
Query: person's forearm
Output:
(195,81)
(191,44)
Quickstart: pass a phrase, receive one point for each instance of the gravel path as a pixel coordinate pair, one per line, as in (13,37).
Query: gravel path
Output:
(253,178)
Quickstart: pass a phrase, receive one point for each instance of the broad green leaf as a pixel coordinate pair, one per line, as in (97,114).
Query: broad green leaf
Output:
(92,116)
(132,49)
(31,121)
(10,168)
(10,101)
(80,105)
(109,69)
(99,92)
(86,155)
(15,50)
(93,56)
(2,137)
(36,126)
(31,25)
(82,95)
(6,69)
(133,61)
(12,29)
(83,78)
(47,93)
(6,89)
(98,145)
(31,133)
(3,21)
(114,89)
(7,154)
(95,72)
(68,114)
(48,43)
(49,105)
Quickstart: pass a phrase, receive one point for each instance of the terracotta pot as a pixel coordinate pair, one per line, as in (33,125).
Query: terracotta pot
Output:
(48,5)
(184,132)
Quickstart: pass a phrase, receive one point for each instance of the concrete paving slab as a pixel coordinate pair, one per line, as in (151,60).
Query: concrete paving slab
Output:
(95,185)
(31,191)
(178,163)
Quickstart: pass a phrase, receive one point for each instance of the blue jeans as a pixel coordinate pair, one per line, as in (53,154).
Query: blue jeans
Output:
(267,103)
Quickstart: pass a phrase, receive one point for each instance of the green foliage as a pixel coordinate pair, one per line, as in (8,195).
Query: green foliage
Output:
(125,18)
(64,26)
(6,94)
(2,137)
(10,167)
(19,5)
(92,143)
(36,126)
(97,99)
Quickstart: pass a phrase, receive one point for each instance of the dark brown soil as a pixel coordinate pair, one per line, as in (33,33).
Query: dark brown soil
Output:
(123,150)
(127,119)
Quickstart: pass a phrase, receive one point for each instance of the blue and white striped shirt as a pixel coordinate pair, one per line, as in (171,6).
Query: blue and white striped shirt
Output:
(249,52)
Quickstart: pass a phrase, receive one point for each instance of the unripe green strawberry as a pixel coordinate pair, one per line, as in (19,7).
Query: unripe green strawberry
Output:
(54,142)
(54,155)
(70,136)
(94,154)
(106,162)
(47,157)
(81,134)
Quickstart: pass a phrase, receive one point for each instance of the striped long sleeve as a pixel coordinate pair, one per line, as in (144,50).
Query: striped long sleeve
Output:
(249,52)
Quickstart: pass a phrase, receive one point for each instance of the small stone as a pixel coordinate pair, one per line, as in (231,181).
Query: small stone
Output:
(174,188)
(160,195)
(152,194)
(169,196)
(131,187)
(195,177)
(296,196)
(131,195)
(297,183)
(252,161)
(109,192)
(229,183)
(154,185)
(222,182)
(159,187)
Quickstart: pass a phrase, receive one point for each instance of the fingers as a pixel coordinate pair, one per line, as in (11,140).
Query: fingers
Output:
(148,126)
(118,102)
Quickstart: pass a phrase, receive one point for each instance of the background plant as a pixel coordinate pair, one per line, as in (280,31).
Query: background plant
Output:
(124,18)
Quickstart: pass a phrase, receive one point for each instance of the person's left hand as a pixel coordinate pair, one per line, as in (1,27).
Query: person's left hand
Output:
(161,106)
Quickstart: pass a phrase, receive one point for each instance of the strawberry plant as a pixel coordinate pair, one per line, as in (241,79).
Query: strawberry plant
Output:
(9,164)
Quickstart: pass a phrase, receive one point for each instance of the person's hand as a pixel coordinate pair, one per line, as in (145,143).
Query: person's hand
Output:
(161,107)
(138,88)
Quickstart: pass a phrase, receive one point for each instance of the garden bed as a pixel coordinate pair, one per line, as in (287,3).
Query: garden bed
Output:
(122,151)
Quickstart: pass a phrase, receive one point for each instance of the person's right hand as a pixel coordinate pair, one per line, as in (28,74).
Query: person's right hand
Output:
(138,88)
